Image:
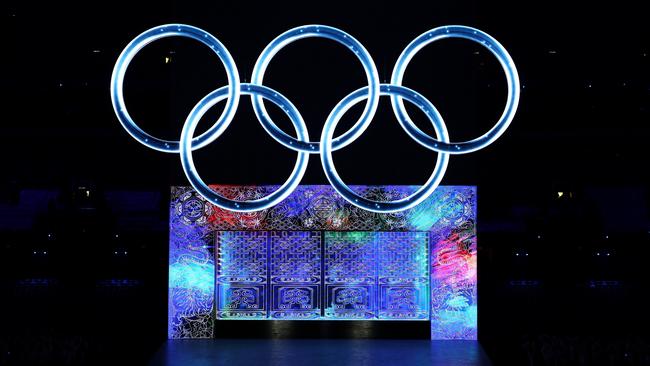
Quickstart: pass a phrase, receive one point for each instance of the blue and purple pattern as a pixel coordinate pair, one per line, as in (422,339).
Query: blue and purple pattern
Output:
(267,264)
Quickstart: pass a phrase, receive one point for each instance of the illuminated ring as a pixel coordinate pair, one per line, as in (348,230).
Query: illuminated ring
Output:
(341,37)
(457,31)
(132,49)
(392,206)
(188,163)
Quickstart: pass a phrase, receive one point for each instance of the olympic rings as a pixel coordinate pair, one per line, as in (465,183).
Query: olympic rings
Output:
(339,36)
(512,78)
(188,163)
(132,49)
(345,191)
(328,143)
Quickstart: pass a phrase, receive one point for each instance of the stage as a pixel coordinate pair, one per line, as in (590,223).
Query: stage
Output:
(313,352)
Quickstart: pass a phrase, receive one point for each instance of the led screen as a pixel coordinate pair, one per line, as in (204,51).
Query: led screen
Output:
(314,256)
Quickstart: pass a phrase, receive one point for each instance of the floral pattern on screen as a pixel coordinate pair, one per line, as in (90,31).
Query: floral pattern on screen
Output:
(290,244)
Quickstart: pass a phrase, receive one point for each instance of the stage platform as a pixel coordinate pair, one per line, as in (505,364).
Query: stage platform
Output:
(314,352)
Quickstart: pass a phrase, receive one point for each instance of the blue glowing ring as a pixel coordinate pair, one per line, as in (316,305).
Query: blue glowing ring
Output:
(336,35)
(132,49)
(457,31)
(345,191)
(188,163)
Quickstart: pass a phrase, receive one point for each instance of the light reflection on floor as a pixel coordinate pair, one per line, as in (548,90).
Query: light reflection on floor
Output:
(313,352)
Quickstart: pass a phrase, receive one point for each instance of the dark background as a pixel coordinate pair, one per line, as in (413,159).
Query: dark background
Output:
(83,207)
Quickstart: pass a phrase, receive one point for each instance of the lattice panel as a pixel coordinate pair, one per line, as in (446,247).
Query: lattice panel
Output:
(403,277)
(350,275)
(376,275)
(275,284)
(295,274)
(277,275)
(242,274)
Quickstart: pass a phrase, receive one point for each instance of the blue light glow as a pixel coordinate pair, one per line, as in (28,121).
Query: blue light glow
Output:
(316,256)
(277,275)
(345,191)
(137,44)
(188,162)
(372,91)
(199,276)
(328,143)
(482,38)
(191,276)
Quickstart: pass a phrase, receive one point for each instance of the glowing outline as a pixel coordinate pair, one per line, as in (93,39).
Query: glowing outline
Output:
(512,78)
(341,37)
(328,143)
(154,34)
(345,191)
(188,162)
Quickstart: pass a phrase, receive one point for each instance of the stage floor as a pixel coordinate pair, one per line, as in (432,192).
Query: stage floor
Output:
(314,352)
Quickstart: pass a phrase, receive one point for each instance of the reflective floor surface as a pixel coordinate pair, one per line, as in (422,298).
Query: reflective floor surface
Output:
(313,352)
